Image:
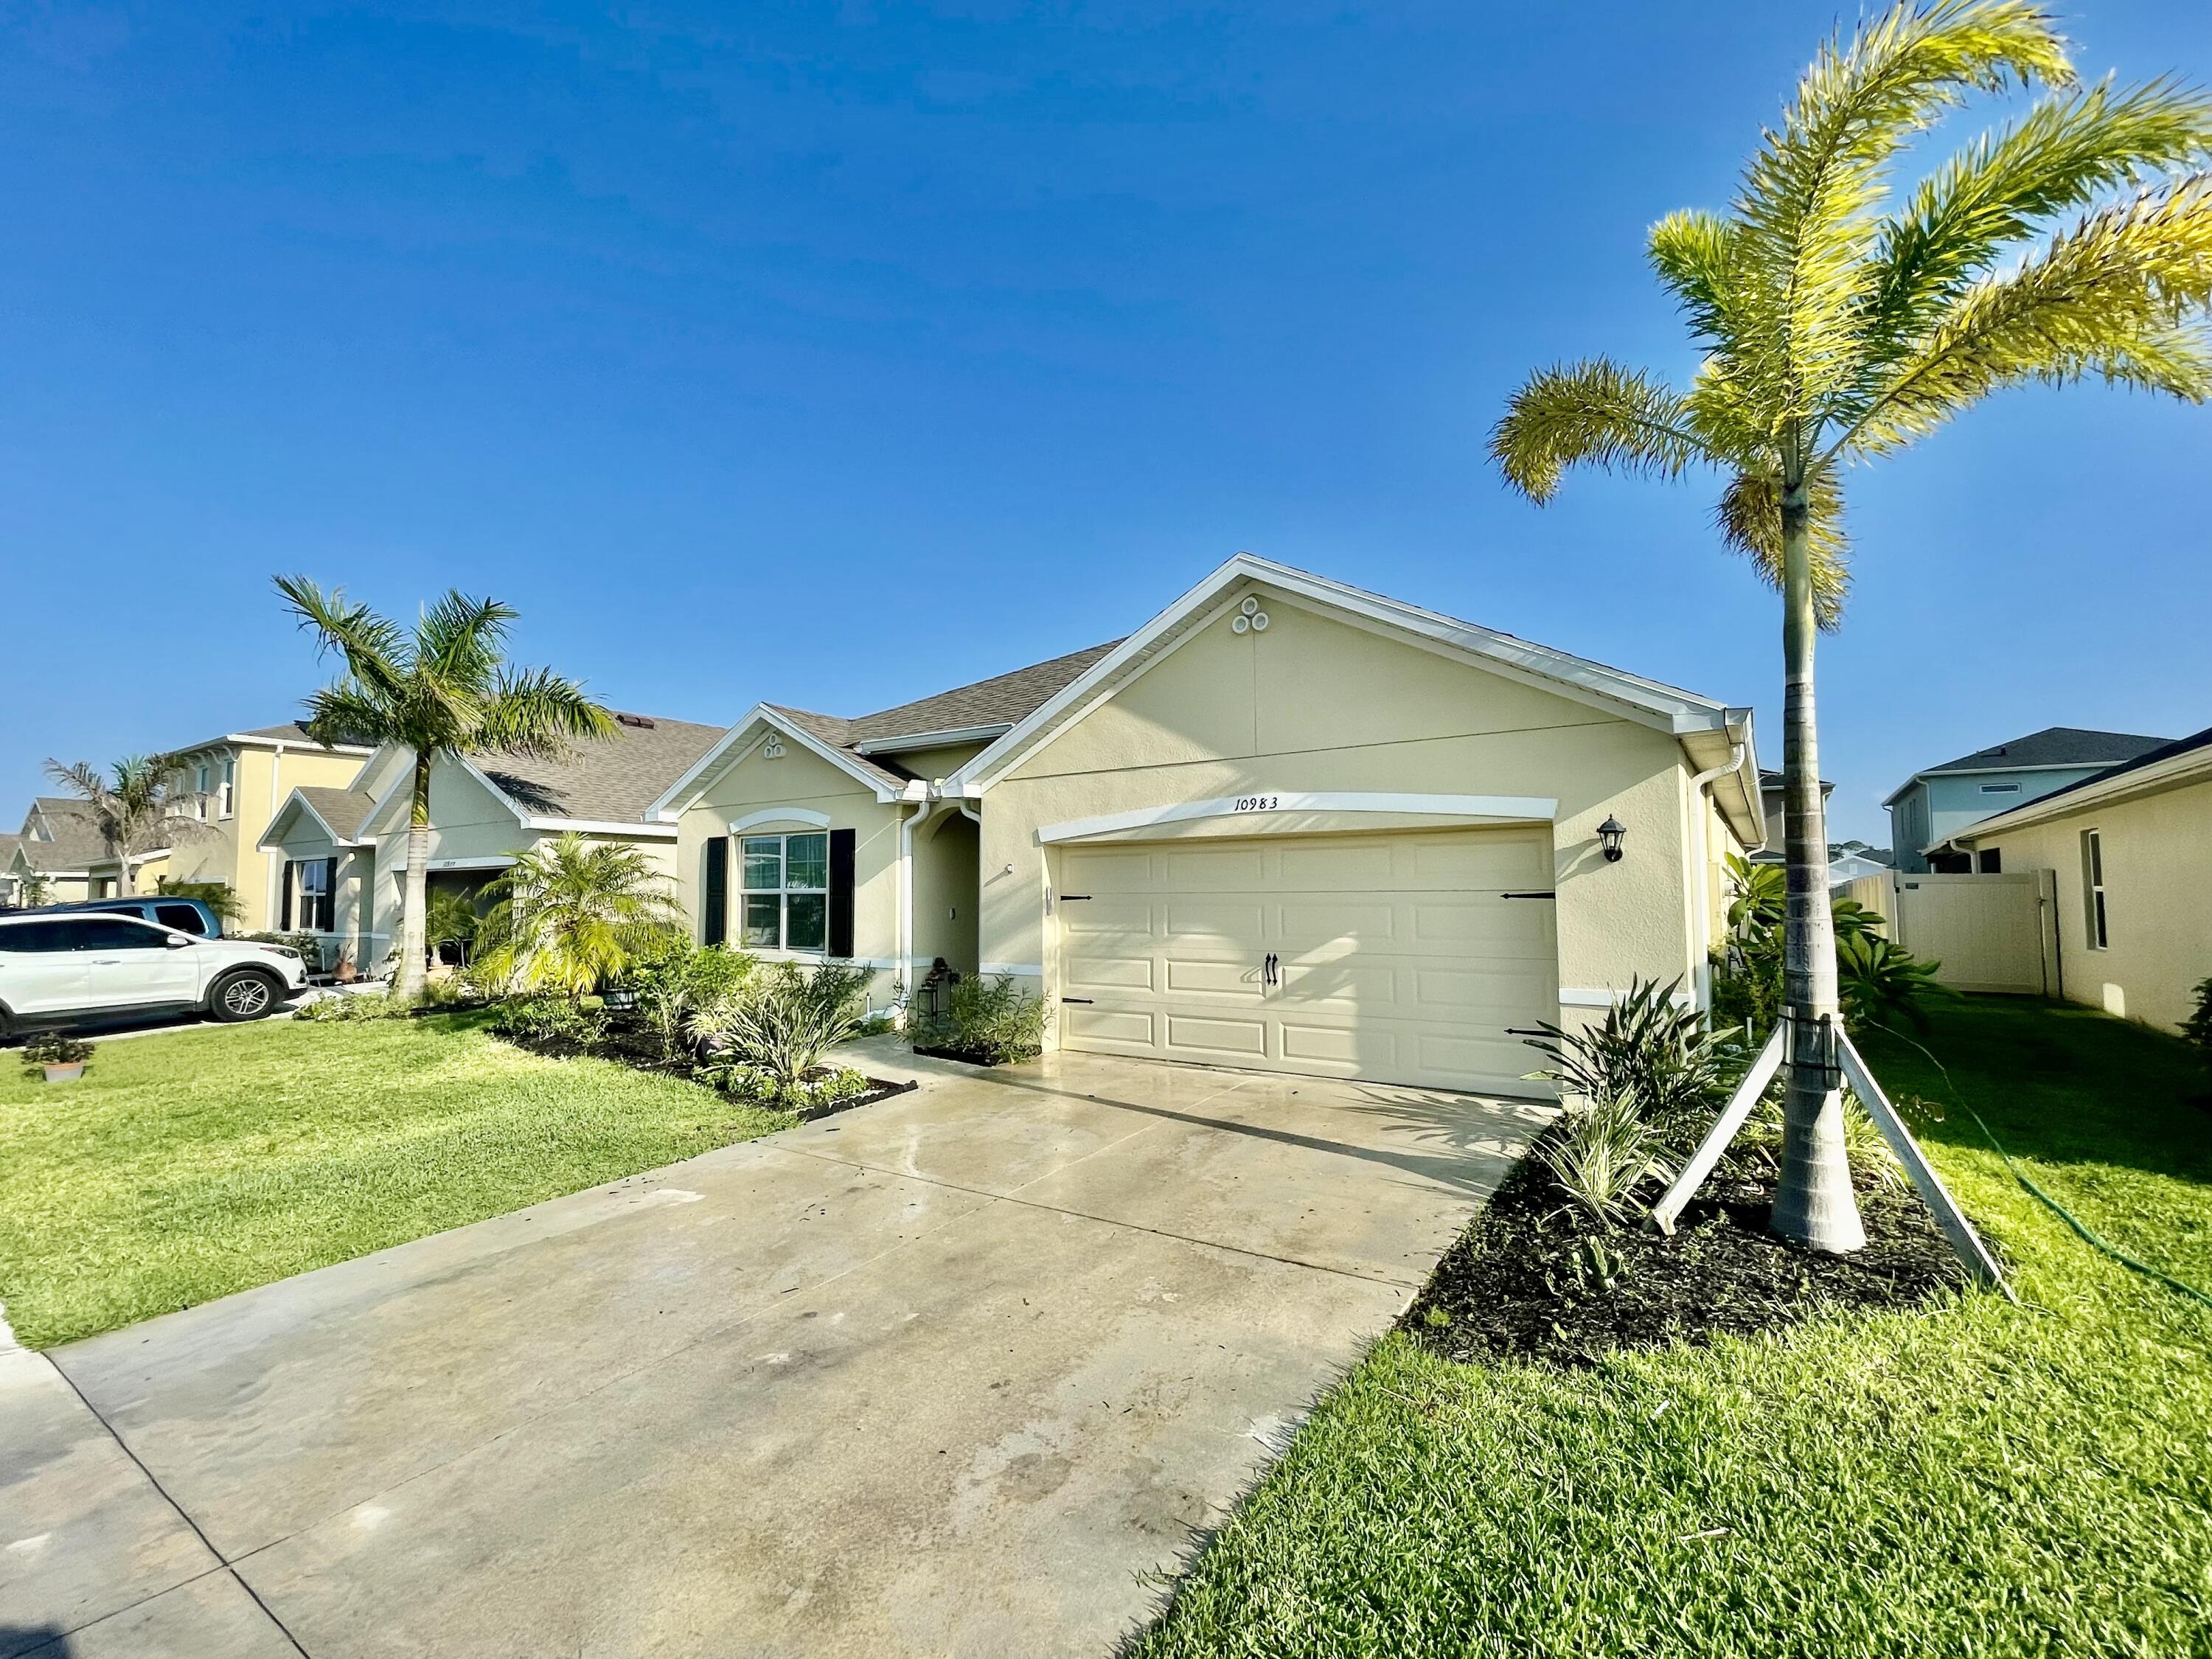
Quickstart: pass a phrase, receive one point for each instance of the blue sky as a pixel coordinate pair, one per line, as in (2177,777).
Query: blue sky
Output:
(836,355)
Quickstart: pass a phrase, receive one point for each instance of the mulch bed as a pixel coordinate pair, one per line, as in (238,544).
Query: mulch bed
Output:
(636,1045)
(970,1056)
(1523,1282)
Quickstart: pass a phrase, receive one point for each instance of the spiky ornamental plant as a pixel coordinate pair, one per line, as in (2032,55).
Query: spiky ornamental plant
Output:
(1840,327)
(446,688)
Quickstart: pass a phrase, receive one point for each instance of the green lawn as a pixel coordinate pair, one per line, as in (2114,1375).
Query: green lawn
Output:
(1981,1479)
(189,1165)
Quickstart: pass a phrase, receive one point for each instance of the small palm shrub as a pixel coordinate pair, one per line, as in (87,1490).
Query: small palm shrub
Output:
(1654,1056)
(1601,1154)
(1881,984)
(783,1020)
(992,1022)
(573,914)
(809,1095)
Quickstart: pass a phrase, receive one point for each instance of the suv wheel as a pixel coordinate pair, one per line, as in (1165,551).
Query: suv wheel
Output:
(243,994)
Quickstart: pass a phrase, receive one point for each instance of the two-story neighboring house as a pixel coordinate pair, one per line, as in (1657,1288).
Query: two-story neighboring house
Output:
(59,856)
(1934,804)
(236,782)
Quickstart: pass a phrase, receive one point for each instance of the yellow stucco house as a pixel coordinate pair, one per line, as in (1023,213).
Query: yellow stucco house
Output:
(234,782)
(2129,848)
(1285,824)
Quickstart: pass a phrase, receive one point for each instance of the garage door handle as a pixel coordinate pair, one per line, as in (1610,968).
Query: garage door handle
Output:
(1085,1001)
(1547,895)
(1523,1030)
(1074,898)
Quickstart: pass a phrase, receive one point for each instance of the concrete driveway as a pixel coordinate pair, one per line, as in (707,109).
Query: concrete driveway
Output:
(955,1373)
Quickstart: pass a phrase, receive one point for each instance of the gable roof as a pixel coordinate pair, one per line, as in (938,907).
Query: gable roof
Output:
(2184,760)
(2054,745)
(76,845)
(341,811)
(289,732)
(613,781)
(1712,732)
(862,745)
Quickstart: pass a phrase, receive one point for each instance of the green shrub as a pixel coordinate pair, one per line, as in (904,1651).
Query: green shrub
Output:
(783,1019)
(53,1048)
(757,1085)
(551,1022)
(215,895)
(1650,1054)
(1884,985)
(349,1008)
(683,982)
(992,1022)
(2197,1028)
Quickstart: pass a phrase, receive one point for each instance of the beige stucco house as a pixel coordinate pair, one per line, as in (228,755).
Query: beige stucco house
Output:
(341,852)
(58,856)
(2129,848)
(1285,824)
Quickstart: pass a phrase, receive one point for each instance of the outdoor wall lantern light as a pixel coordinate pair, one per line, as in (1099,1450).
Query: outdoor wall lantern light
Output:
(1610,834)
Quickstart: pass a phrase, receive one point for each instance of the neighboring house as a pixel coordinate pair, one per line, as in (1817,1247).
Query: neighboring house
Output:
(1849,860)
(2130,846)
(1285,824)
(59,855)
(235,783)
(341,852)
(1931,806)
(11,882)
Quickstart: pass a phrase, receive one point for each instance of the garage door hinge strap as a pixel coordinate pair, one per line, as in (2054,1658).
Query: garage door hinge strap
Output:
(1085,1001)
(1070,899)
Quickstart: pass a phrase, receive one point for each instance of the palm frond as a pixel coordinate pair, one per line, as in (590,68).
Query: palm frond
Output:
(2120,295)
(372,646)
(2059,157)
(460,640)
(1699,256)
(536,712)
(1749,519)
(1593,413)
(348,712)
(1806,199)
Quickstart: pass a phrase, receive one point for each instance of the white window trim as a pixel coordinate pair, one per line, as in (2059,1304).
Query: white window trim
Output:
(783,891)
(227,789)
(2098,913)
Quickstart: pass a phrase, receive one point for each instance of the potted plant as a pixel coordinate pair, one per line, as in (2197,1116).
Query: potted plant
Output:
(62,1058)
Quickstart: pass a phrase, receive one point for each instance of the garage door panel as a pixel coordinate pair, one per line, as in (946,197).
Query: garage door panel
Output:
(1218,1038)
(1129,1028)
(1401,961)
(1201,976)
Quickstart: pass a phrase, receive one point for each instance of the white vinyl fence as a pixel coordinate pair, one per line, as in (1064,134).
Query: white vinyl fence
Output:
(1989,932)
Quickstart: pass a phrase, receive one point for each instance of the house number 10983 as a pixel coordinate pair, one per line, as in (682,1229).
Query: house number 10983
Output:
(1258,803)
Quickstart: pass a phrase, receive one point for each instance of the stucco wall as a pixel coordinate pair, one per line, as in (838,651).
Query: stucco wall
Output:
(228,850)
(2158,904)
(944,884)
(799,778)
(1315,703)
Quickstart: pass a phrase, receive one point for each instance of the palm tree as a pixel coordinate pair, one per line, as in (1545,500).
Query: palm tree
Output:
(135,807)
(445,688)
(1839,326)
(574,914)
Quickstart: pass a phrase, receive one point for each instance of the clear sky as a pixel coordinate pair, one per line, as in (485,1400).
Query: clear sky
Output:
(836,355)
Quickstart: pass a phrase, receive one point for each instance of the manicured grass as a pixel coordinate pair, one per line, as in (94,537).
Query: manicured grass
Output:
(1981,1479)
(187,1166)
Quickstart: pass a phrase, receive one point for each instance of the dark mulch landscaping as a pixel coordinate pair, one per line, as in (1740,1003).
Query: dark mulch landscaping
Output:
(970,1056)
(1527,1281)
(635,1044)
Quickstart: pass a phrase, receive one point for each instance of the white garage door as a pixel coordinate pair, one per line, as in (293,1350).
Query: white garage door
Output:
(1403,957)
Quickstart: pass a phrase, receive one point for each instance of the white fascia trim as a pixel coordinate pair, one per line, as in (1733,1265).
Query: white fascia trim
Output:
(1599,997)
(2191,766)
(604,827)
(708,765)
(1520,809)
(781,815)
(1673,710)
(945,738)
(252,742)
(488,861)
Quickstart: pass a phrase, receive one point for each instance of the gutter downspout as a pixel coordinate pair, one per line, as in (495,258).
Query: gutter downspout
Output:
(907,826)
(1701,969)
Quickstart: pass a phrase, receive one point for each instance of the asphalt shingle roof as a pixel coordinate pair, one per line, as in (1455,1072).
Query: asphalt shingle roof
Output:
(2055,745)
(76,844)
(343,810)
(2165,751)
(611,781)
(1002,700)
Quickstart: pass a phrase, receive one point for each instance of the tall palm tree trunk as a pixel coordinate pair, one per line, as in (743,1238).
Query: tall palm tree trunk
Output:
(414,901)
(125,885)
(1813,1203)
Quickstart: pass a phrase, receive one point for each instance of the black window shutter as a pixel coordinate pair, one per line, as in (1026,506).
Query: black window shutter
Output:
(714,893)
(285,917)
(329,921)
(841,893)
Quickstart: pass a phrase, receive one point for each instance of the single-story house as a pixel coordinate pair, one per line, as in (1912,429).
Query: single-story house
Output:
(1849,860)
(59,856)
(1928,809)
(2131,847)
(1285,824)
(343,850)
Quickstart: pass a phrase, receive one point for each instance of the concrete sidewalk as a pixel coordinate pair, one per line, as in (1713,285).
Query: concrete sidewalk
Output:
(953,1373)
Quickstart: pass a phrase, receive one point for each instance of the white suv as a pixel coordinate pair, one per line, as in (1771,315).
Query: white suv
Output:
(85,969)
